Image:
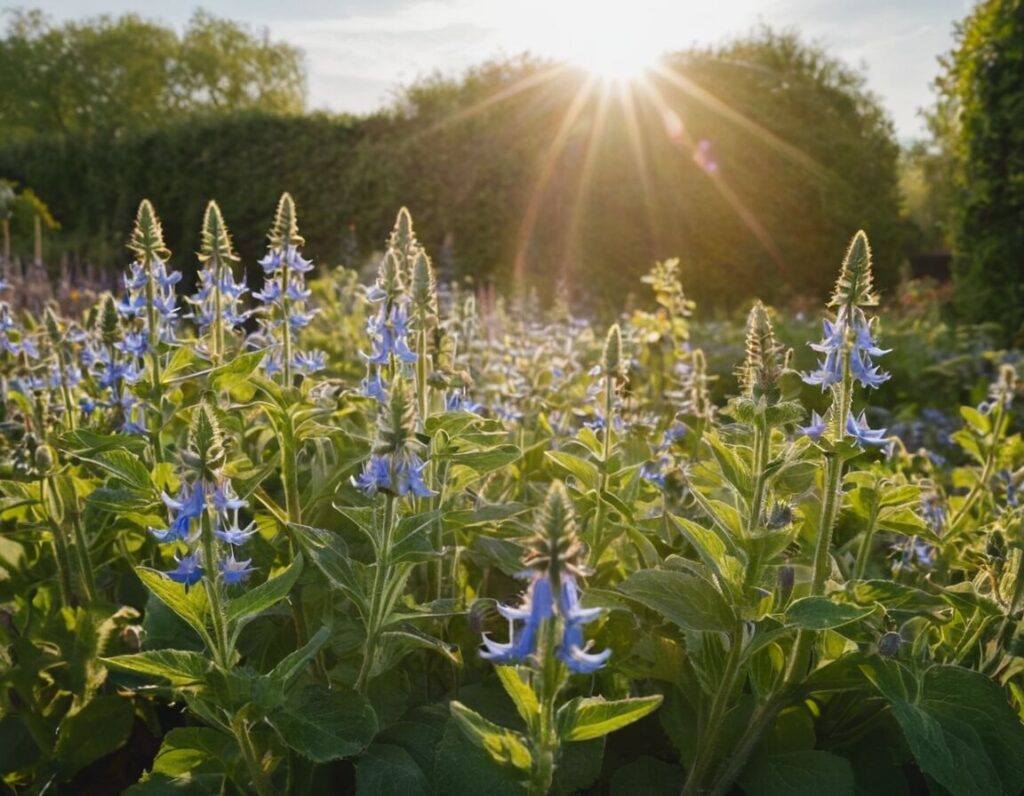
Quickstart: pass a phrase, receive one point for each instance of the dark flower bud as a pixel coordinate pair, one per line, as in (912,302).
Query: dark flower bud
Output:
(787,577)
(131,637)
(43,458)
(889,645)
(781,516)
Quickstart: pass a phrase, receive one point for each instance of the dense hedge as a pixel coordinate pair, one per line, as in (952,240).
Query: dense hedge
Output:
(754,168)
(980,119)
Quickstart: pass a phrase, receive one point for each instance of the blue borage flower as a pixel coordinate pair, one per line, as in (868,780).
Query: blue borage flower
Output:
(188,572)
(23,345)
(234,571)
(862,347)
(1011,484)
(654,472)
(400,474)
(913,553)
(374,386)
(185,513)
(134,305)
(538,607)
(858,429)
(204,300)
(388,332)
(933,510)
(285,298)
(554,560)
(815,428)
(459,401)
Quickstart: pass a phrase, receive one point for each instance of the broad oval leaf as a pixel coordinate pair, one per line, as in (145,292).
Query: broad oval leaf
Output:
(179,667)
(325,724)
(594,717)
(821,613)
(259,599)
(507,748)
(681,598)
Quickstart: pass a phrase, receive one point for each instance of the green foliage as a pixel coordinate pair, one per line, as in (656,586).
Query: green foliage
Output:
(282,580)
(475,160)
(978,121)
(106,74)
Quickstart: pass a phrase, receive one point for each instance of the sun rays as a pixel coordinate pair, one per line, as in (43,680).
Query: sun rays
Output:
(650,112)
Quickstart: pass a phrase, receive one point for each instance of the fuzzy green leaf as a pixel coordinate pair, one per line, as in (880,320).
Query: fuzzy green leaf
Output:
(583,719)
(507,748)
(325,724)
(683,599)
(821,613)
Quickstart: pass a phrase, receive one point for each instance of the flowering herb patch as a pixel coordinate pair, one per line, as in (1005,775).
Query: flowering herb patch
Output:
(310,536)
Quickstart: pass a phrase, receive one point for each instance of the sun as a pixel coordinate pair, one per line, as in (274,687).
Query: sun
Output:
(608,42)
(613,62)
(610,38)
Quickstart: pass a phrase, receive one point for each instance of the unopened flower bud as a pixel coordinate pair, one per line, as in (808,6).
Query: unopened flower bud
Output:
(43,458)
(889,645)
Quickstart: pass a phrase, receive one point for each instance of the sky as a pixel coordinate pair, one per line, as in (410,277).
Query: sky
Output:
(358,52)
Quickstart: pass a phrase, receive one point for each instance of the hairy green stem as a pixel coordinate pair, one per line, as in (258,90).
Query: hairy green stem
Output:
(545,744)
(218,323)
(378,598)
(154,358)
(708,736)
(221,642)
(260,781)
(799,656)
(60,545)
(606,448)
(286,326)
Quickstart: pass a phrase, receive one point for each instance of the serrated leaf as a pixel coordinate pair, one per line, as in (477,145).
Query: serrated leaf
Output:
(800,773)
(292,665)
(328,553)
(821,613)
(191,604)
(683,599)
(413,637)
(125,466)
(583,719)
(505,747)
(487,460)
(959,726)
(233,377)
(521,694)
(178,667)
(386,769)
(585,472)
(258,599)
(83,441)
(325,724)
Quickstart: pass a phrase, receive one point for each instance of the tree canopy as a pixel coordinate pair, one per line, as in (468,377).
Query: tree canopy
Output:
(111,74)
(979,120)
